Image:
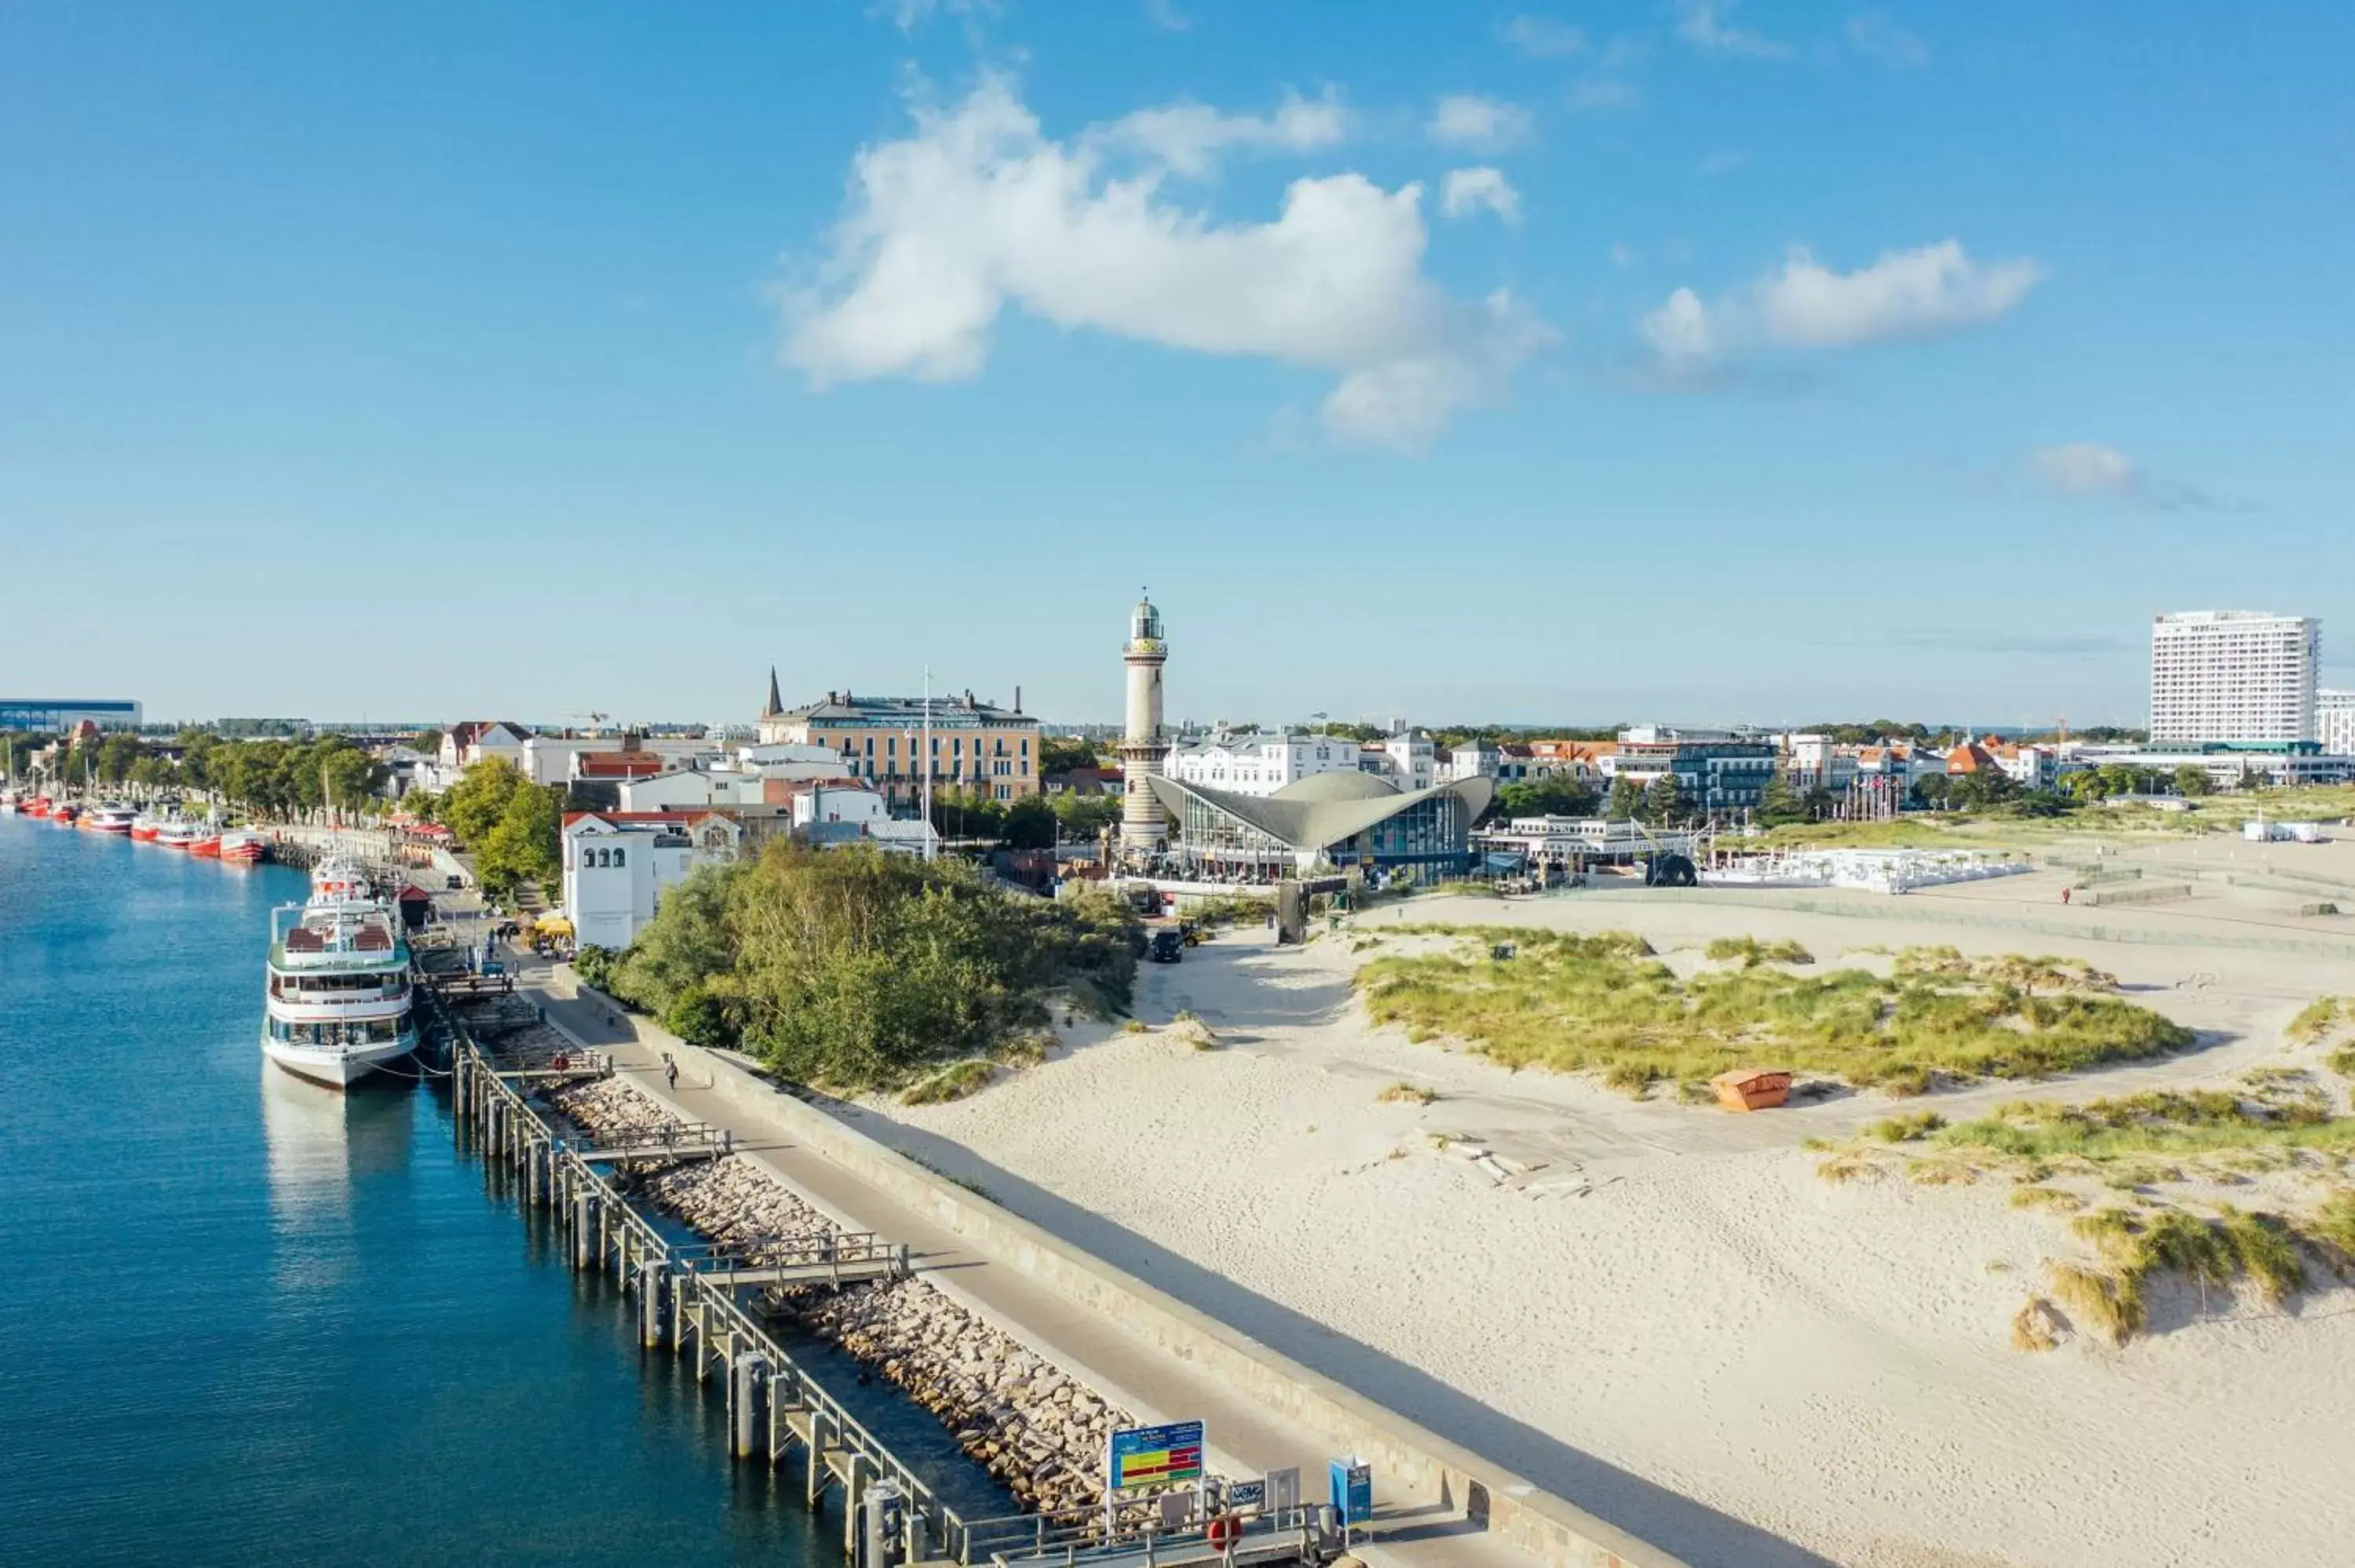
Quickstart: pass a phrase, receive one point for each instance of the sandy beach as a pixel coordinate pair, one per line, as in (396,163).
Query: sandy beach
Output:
(1662,1311)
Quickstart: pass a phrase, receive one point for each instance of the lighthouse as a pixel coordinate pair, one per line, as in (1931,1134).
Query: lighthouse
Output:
(1143,828)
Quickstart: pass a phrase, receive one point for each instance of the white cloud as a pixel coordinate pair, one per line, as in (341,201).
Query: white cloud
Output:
(1874,33)
(1542,36)
(1187,137)
(1165,14)
(976,208)
(1706,25)
(1682,336)
(1603,95)
(1468,191)
(1622,256)
(909,14)
(1478,124)
(1723,163)
(2089,470)
(1924,292)
(1905,294)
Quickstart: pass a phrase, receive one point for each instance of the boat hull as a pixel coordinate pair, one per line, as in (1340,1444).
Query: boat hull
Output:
(205,849)
(335,1068)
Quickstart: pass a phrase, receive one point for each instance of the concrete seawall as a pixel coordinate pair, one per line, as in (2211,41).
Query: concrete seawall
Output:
(1549,1528)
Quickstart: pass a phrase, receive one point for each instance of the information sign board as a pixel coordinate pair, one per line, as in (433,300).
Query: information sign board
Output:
(1353,1489)
(1154,1455)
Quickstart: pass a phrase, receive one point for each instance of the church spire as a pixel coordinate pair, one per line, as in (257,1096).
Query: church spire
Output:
(776,703)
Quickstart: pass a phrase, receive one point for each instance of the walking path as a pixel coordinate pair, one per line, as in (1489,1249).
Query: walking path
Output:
(1244,1438)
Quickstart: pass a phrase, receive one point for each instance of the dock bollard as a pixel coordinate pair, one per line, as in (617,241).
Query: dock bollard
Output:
(650,1305)
(881,1528)
(584,1230)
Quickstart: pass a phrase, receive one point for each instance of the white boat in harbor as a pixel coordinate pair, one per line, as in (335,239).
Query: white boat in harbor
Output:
(338,1004)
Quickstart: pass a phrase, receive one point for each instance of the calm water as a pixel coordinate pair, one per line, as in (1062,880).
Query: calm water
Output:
(246,1322)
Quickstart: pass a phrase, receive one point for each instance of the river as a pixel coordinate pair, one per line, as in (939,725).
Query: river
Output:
(246,1320)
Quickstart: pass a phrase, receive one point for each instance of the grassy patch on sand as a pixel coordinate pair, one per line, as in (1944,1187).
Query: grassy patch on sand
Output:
(1603,1003)
(2184,1122)
(953,1082)
(2320,1016)
(1754,952)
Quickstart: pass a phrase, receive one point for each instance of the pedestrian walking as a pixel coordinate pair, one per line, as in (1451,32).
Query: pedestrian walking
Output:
(670,1071)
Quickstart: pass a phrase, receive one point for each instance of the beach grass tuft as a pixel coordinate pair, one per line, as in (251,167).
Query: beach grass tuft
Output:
(1906,1129)
(1405,1093)
(953,1082)
(2036,1326)
(1602,1003)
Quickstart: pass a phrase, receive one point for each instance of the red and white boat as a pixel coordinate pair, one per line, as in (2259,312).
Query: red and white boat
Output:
(64,814)
(178,832)
(145,829)
(239,847)
(109,817)
(206,846)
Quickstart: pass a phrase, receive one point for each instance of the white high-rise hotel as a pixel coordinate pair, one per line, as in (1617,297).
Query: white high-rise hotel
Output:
(2233,675)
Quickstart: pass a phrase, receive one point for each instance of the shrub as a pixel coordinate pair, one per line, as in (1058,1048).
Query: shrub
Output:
(593,966)
(1906,1129)
(2050,1198)
(1753,952)
(2109,1305)
(1403,1093)
(697,1017)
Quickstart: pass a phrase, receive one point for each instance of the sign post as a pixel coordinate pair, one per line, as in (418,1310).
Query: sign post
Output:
(1168,1455)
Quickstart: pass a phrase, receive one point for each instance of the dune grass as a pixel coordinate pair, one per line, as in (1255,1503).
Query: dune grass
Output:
(1754,952)
(2157,1122)
(953,1082)
(1601,1004)
(1405,1093)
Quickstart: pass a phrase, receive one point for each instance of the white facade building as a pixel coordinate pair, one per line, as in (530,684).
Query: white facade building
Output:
(1258,764)
(2334,722)
(2233,675)
(616,869)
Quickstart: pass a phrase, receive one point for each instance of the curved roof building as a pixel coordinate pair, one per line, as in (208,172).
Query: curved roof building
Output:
(1326,822)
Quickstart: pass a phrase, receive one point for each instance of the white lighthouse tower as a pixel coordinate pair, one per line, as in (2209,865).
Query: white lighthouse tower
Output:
(1142,827)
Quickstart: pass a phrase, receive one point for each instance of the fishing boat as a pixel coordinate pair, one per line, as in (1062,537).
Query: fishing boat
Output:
(177,832)
(110,817)
(241,847)
(205,844)
(64,814)
(146,827)
(337,1005)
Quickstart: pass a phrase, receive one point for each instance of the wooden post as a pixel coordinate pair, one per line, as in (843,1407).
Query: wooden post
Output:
(747,1386)
(854,1492)
(584,1230)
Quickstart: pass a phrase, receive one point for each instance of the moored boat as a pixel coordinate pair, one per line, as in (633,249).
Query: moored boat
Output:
(337,1001)
(205,844)
(146,827)
(241,846)
(177,832)
(64,813)
(109,817)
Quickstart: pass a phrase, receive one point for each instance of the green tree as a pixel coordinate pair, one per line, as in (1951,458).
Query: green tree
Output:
(1665,805)
(428,741)
(699,1018)
(479,799)
(1060,754)
(1778,805)
(526,845)
(2192,780)
(1552,796)
(117,756)
(422,805)
(960,813)
(1085,817)
(1029,823)
(1626,799)
(1931,789)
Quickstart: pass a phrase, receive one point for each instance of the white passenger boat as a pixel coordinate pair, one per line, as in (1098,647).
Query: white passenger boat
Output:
(338,1004)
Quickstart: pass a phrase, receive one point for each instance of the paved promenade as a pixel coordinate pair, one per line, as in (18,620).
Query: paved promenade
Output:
(1245,1439)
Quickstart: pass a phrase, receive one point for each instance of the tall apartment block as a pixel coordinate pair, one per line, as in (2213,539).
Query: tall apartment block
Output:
(2233,675)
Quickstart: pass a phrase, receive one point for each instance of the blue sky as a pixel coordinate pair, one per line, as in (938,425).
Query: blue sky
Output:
(1672,359)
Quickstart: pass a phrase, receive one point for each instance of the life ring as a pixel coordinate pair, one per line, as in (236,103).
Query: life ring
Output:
(1224,1530)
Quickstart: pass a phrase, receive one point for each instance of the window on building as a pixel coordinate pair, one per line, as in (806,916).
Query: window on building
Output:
(617,857)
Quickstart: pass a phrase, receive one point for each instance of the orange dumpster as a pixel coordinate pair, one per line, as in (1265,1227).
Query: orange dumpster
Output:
(1751,1088)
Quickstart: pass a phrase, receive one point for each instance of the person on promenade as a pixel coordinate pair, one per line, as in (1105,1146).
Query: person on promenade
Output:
(670,1071)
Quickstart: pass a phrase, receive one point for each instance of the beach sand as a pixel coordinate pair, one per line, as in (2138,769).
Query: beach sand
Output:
(1662,1312)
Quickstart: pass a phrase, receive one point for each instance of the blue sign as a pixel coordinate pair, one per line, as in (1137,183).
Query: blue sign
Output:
(1154,1455)
(1353,1489)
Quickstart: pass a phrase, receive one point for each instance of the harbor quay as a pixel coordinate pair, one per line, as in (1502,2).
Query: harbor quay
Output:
(1129,1345)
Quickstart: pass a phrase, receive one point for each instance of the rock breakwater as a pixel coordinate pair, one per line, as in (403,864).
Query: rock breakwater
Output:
(1040,1431)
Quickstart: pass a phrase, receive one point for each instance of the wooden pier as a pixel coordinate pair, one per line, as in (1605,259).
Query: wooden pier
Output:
(704,1301)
